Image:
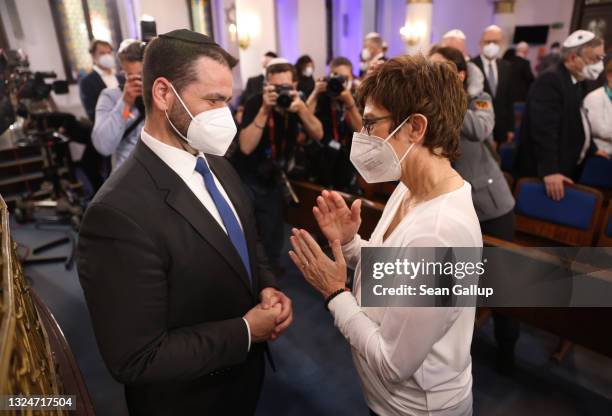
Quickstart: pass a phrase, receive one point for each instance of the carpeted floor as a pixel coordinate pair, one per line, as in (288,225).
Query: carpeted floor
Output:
(315,373)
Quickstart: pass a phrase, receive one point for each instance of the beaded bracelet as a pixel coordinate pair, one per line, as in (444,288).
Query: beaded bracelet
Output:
(333,295)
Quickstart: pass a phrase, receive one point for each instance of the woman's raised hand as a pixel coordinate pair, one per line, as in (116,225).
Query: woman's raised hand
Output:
(335,219)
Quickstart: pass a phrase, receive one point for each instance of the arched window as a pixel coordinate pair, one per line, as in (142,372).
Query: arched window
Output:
(200,12)
(77,22)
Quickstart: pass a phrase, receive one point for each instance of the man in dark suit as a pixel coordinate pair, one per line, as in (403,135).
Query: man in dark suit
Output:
(254,85)
(102,76)
(181,298)
(498,82)
(555,137)
(522,75)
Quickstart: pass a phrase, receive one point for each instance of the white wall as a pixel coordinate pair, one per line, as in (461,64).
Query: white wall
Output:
(258,16)
(169,14)
(545,12)
(472,16)
(312,33)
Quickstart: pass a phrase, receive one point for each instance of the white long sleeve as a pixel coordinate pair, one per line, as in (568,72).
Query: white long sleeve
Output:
(392,348)
(413,360)
(352,251)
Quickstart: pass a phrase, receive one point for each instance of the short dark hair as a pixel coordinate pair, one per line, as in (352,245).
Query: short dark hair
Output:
(271,54)
(279,68)
(94,45)
(340,61)
(407,85)
(453,55)
(174,59)
(302,62)
(132,52)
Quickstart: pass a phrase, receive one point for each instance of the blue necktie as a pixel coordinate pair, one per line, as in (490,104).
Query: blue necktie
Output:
(227,215)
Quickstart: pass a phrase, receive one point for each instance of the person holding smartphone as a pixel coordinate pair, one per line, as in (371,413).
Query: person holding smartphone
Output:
(120,111)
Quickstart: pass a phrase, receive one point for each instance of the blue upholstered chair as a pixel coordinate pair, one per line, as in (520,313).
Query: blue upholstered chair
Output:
(597,173)
(571,221)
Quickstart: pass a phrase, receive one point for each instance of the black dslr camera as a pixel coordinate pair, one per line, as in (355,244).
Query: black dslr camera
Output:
(335,85)
(284,99)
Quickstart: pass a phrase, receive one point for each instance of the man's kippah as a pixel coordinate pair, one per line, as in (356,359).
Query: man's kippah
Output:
(190,36)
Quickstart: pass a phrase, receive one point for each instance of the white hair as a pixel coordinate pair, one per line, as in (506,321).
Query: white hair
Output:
(493,28)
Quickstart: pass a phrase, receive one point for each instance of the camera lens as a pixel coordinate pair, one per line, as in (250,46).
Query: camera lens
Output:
(284,99)
(335,85)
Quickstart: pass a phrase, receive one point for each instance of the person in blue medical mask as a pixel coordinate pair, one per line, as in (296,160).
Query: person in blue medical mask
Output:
(411,360)
(180,295)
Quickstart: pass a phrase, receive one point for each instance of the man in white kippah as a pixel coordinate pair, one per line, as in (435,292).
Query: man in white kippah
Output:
(455,38)
(555,135)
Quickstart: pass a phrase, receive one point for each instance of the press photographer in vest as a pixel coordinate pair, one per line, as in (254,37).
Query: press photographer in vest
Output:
(271,124)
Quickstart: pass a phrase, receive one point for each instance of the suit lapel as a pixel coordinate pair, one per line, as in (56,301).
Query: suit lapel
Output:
(501,73)
(183,201)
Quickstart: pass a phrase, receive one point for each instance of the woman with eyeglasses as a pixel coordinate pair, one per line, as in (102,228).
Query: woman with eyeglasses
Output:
(411,360)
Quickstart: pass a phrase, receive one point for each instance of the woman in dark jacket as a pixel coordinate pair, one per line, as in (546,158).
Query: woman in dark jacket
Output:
(304,67)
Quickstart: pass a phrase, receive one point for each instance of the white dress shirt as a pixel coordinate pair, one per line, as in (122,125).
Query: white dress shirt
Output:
(599,112)
(110,80)
(184,164)
(413,360)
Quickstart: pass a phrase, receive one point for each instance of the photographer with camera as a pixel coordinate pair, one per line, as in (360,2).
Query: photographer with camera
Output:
(333,103)
(270,127)
(120,111)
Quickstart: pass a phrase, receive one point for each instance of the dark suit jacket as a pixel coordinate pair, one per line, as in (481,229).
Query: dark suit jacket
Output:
(253,87)
(166,291)
(552,133)
(522,77)
(90,87)
(502,100)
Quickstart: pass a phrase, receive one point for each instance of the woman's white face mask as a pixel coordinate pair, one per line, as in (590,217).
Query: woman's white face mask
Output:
(375,159)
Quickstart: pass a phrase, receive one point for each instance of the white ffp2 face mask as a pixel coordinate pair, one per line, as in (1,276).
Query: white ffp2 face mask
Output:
(366,55)
(210,131)
(106,61)
(593,71)
(375,159)
(491,50)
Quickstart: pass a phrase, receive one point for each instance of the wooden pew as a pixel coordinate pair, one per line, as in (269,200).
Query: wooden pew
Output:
(35,358)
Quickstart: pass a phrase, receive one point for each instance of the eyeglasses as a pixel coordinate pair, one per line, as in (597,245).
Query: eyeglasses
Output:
(594,60)
(368,123)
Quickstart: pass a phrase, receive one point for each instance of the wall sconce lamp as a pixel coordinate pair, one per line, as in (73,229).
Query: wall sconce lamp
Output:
(413,32)
(244,31)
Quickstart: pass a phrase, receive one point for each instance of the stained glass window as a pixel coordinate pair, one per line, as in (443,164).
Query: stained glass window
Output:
(201,16)
(77,22)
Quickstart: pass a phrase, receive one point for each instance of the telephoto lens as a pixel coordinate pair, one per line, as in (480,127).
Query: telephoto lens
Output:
(335,85)
(284,99)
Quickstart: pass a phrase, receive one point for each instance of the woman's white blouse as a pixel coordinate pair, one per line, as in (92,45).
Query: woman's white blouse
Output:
(599,113)
(413,360)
